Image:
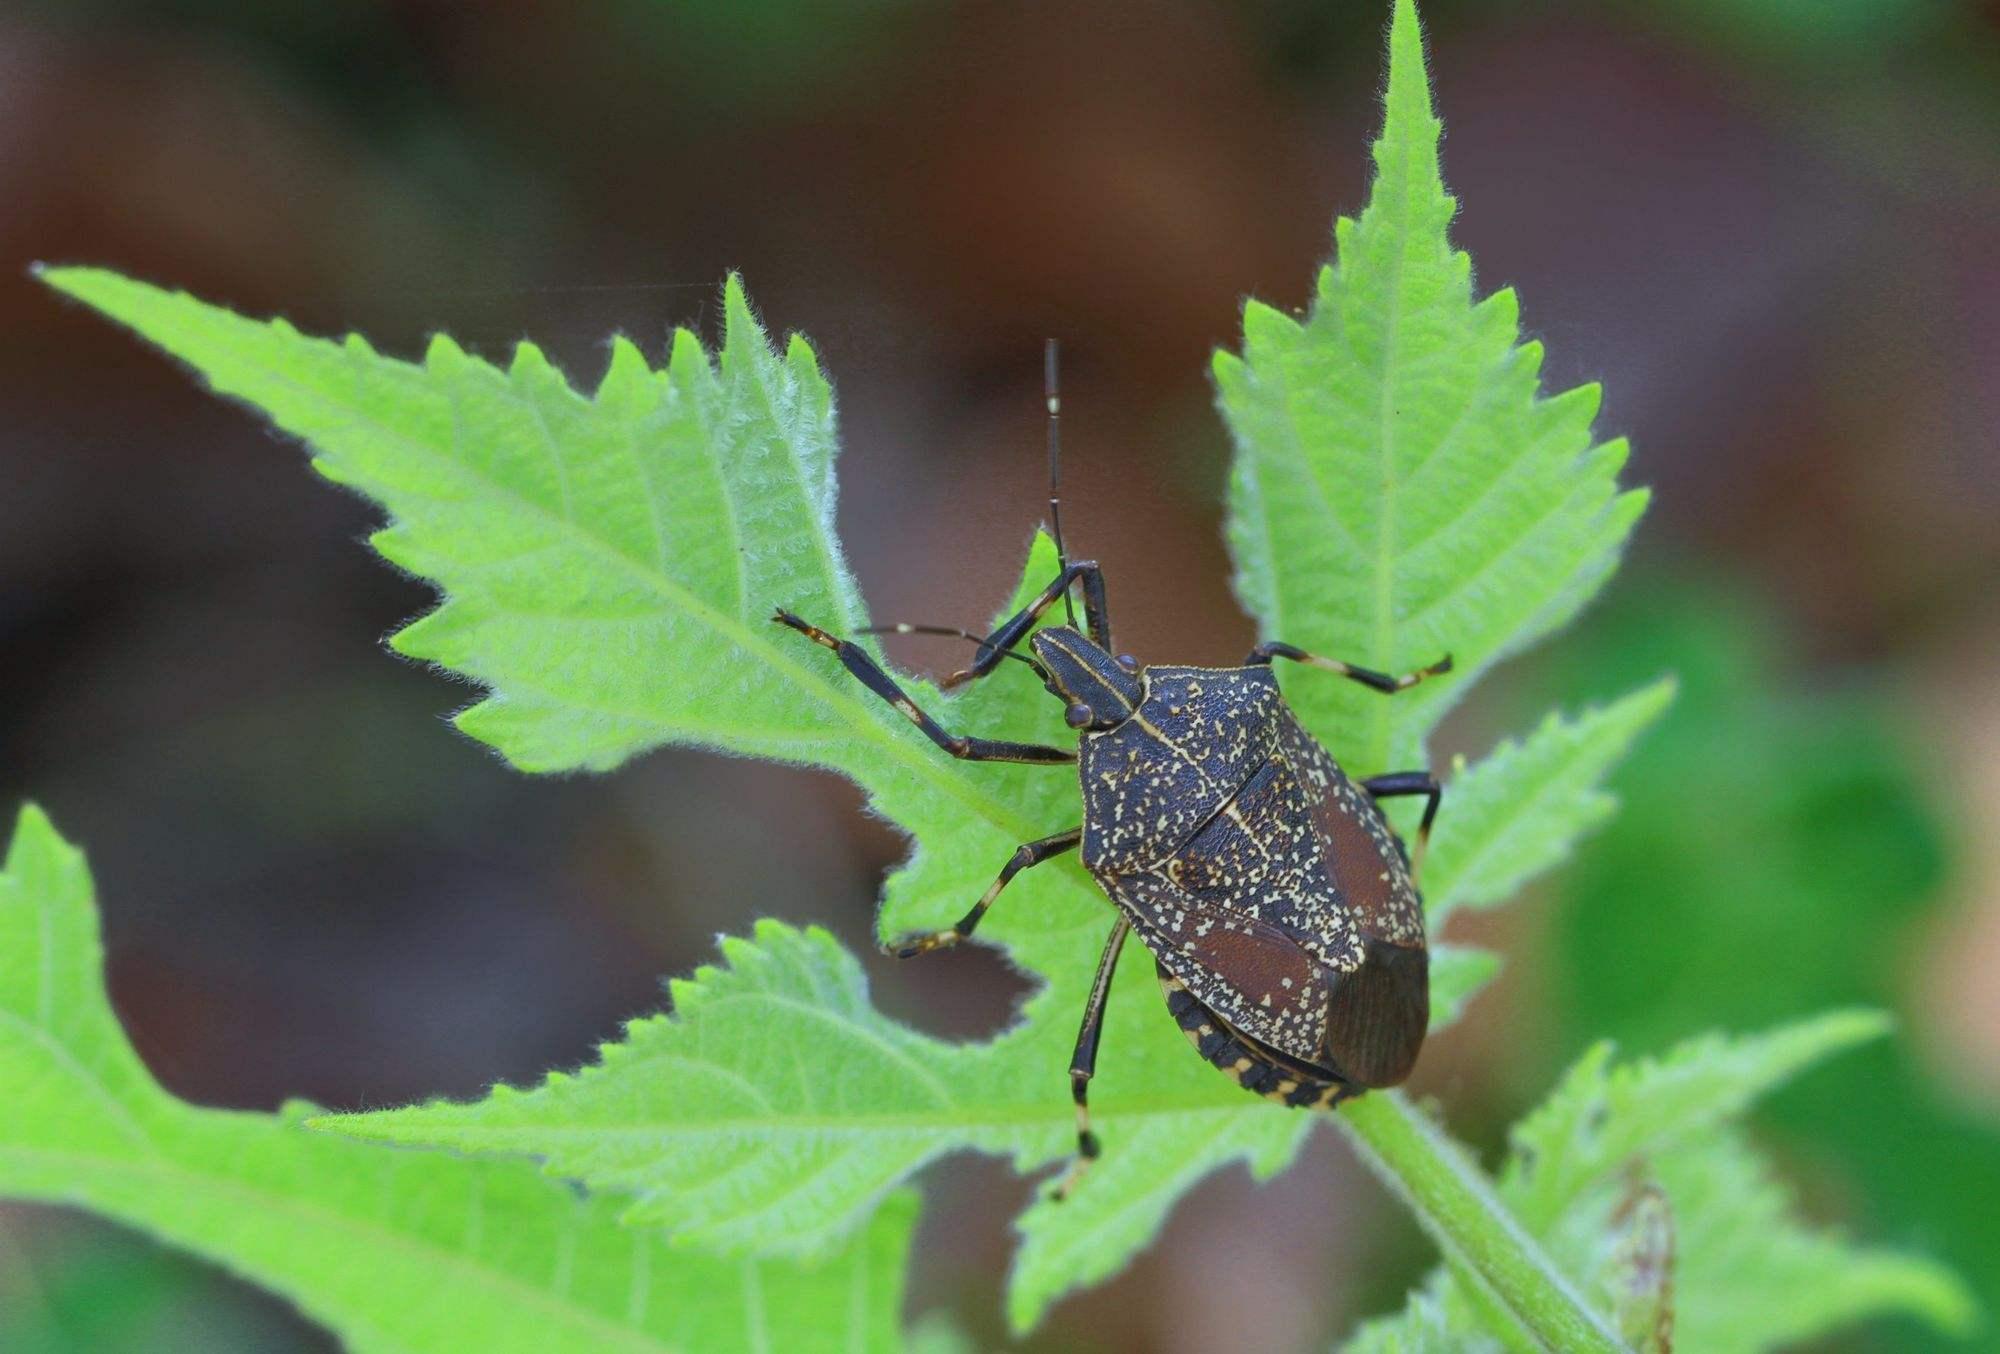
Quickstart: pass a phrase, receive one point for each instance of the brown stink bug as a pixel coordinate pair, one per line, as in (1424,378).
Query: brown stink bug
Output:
(1276,900)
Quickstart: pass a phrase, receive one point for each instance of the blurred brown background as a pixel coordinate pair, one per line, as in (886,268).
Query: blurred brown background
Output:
(1771,229)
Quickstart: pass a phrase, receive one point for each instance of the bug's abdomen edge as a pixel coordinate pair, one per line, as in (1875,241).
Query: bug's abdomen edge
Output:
(1256,1068)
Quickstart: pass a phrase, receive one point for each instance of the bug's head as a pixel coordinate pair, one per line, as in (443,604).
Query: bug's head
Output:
(1101,691)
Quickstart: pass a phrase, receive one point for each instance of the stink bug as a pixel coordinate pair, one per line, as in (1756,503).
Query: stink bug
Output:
(1277,902)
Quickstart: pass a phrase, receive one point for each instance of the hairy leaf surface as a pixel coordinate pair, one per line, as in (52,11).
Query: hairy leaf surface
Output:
(393,1250)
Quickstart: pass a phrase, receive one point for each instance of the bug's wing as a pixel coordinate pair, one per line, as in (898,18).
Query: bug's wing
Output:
(1364,1025)
(1251,973)
(1376,1020)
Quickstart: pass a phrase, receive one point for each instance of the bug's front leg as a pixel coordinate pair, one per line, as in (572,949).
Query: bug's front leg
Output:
(1262,655)
(1397,783)
(856,660)
(1083,1063)
(1029,853)
(1015,628)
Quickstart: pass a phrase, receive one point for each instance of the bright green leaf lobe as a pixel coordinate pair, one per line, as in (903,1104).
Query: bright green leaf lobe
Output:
(394,1251)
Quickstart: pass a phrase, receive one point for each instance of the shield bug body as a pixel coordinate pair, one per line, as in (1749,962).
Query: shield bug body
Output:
(1277,902)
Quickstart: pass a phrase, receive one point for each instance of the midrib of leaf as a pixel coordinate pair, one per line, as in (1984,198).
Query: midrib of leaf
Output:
(128,1123)
(797,486)
(849,1029)
(953,1119)
(1385,454)
(753,1293)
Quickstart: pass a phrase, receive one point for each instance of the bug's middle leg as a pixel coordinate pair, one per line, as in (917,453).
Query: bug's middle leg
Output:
(1262,655)
(1083,1063)
(856,660)
(1397,783)
(1029,853)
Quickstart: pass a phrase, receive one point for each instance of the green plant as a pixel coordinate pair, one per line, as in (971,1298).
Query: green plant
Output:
(1821,835)
(606,565)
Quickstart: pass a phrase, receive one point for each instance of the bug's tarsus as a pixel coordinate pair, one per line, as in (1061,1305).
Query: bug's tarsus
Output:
(1083,1062)
(1025,856)
(1262,655)
(1052,394)
(1397,783)
(856,660)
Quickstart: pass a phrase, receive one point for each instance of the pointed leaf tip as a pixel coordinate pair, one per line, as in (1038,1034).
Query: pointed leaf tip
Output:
(1409,80)
(71,279)
(32,817)
(736,308)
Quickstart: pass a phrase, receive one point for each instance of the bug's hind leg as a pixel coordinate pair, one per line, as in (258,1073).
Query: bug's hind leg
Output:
(1083,1063)
(1029,853)
(1398,783)
(857,661)
(1262,655)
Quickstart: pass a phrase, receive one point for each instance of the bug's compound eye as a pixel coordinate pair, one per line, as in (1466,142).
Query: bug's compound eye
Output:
(1077,715)
(1128,662)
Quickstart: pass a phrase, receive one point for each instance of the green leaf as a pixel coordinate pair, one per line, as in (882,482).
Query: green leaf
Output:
(1525,805)
(1600,1117)
(584,547)
(392,1250)
(1401,489)
(1737,1241)
(769,1112)
(608,562)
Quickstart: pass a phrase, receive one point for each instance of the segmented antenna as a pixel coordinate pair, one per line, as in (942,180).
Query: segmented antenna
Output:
(1052,389)
(905,628)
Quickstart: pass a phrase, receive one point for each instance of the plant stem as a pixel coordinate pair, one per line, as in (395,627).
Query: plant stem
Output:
(1456,1204)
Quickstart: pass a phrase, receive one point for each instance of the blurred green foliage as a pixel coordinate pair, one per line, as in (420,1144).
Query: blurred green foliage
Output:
(69,1289)
(1780,849)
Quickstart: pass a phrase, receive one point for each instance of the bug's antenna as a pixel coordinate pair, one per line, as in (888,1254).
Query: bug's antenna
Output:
(1052,389)
(904,628)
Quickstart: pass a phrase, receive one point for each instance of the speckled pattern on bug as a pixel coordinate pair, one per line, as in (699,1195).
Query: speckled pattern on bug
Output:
(1260,878)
